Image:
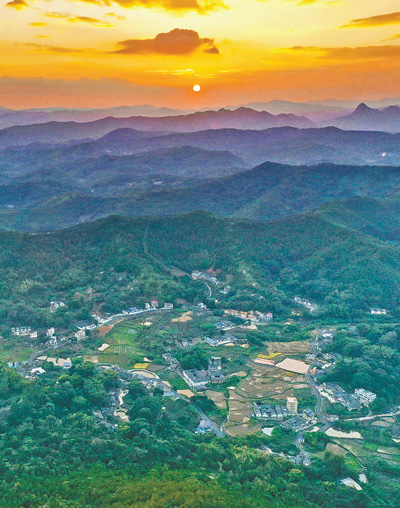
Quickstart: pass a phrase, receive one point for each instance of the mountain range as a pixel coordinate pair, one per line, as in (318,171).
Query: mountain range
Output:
(242,118)
(19,145)
(47,200)
(369,119)
(255,115)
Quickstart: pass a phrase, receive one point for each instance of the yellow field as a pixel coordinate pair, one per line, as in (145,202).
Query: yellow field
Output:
(271,356)
(141,366)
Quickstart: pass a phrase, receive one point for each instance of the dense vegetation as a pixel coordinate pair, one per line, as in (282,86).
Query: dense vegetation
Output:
(54,452)
(121,262)
(61,192)
(333,239)
(370,359)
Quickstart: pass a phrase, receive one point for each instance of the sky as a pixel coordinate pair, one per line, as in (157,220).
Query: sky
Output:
(102,53)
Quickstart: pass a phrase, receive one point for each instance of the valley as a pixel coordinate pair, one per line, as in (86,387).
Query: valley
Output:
(216,309)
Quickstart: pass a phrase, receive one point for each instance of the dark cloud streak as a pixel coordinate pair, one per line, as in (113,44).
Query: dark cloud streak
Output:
(176,42)
(381,20)
(17,4)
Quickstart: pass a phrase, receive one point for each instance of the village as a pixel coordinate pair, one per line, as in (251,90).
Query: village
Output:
(252,389)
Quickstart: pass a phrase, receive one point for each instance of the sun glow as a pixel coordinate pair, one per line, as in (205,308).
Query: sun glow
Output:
(196,88)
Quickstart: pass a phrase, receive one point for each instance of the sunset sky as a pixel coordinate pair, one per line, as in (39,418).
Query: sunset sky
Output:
(100,53)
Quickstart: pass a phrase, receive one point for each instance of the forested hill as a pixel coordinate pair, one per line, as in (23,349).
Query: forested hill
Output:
(54,453)
(96,188)
(268,263)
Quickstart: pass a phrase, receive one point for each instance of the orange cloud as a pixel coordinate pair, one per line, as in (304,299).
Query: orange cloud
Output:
(17,4)
(381,20)
(176,42)
(200,6)
(38,23)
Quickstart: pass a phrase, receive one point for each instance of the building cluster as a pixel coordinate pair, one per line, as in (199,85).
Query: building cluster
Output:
(198,379)
(26,371)
(324,363)
(16,365)
(276,411)
(295,422)
(311,307)
(302,459)
(80,335)
(300,421)
(226,340)
(365,396)
(99,318)
(378,312)
(325,333)
(148,306)
(171,359)
(132,310)
(24,331)
(251,315)
(56,305)
(270,411)
(196,275)
(154,305)
(352,402)
(85,325)
(224,325)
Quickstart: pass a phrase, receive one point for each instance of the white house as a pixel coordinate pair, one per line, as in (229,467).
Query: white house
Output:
(378,312)
(365,396)
(196,378)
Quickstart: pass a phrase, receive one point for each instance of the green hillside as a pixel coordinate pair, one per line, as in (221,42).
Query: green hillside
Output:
(165,185)
(54,453)
(127,261)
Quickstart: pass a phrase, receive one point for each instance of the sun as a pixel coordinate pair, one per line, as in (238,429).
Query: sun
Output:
(196,88)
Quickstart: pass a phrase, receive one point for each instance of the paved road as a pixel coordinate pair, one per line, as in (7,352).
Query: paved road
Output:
(313,384)
(318,408)
(215,427)
(372,417)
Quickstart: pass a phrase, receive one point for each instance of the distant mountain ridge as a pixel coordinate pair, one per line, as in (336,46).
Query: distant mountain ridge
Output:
(242,118)
(315,112)
(321,113)
(286,145)
(9,118)
(369,119)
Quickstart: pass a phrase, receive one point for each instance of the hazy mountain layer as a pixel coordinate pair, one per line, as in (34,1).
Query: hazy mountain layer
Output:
(57,132)
(365,118)
(45,200)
